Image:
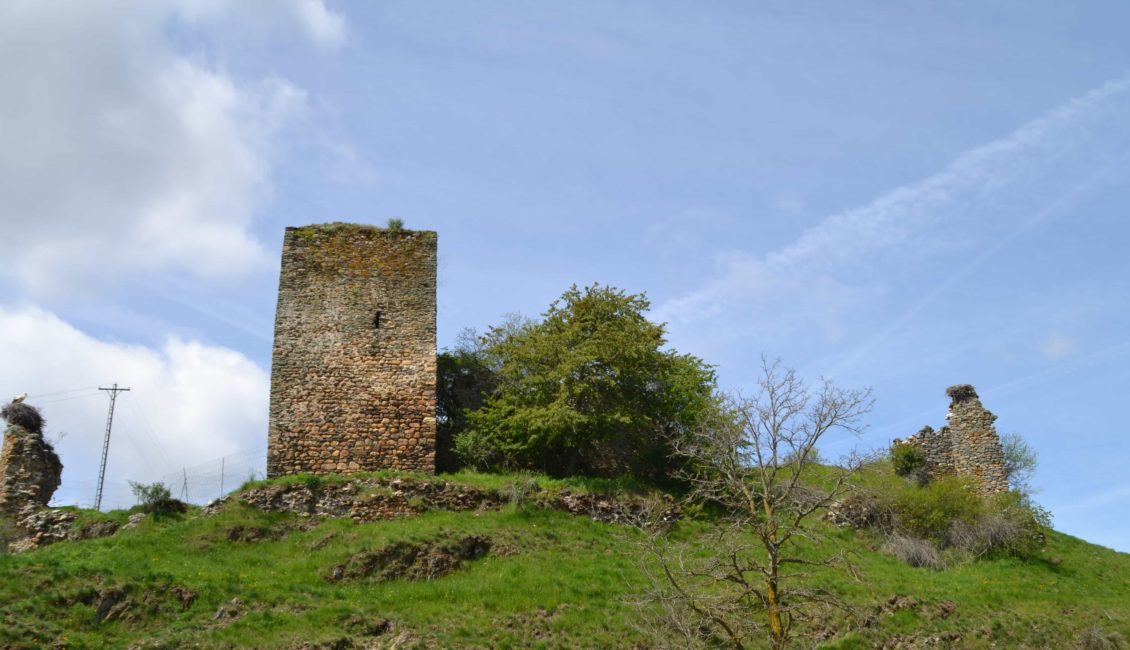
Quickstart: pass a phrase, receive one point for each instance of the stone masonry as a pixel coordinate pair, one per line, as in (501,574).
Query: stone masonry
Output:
(353,377)
(30,470)
(967,446)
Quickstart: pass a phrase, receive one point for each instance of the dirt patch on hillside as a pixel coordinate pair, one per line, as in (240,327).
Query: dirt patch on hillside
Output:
(132,603)
(411,561)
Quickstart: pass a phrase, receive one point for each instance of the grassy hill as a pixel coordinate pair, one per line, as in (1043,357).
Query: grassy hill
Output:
(512,574)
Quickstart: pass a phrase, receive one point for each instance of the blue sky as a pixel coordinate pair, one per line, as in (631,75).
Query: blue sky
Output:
(896,195)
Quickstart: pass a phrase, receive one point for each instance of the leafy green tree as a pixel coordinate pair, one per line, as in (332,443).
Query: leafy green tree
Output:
(589,389)
(465,378)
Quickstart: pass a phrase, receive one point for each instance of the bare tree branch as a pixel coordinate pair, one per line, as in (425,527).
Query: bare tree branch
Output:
(753,461)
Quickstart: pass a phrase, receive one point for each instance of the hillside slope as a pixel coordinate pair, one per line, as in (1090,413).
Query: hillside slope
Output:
(513,569)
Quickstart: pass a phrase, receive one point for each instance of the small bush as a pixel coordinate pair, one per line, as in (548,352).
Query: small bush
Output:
(863,510)
(395,225)
(1096,638)
(907,459)
(1010,523)
(23,415)
(929,512)
(813,458)
(157,500)
(476,452)
(990,532)
(520,493)
(916,552)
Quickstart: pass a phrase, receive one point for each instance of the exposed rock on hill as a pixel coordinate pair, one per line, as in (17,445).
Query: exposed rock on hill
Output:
(374,499)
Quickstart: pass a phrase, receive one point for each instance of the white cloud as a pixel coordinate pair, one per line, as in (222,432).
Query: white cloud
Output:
(1056,346)
(830,278)
(325,27)
(189,404)
(902,216)
(240,20)
(118,154)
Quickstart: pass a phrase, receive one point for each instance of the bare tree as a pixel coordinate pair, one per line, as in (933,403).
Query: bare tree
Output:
(753,463)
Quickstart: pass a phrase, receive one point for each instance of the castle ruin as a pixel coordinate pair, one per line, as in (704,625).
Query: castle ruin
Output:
(968,446)
(30,470)
(353,373)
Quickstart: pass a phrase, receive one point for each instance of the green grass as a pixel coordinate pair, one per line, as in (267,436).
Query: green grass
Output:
(548,568)
(552,580)
(480,480)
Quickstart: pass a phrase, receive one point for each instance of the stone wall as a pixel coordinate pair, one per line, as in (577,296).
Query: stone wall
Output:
(968,446)
(30,471)
(353,377)
(937,446)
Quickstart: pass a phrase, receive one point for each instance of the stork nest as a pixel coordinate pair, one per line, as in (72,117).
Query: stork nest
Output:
(23,415)
(961,392)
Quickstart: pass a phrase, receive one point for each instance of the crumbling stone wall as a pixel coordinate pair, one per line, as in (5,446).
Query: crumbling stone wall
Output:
(30,470)
(968,446)
(937,447)
(353,377)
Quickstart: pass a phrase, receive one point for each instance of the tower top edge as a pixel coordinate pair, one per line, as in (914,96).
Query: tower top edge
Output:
(341,227)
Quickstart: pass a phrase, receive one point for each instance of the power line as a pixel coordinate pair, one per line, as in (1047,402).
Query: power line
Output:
(148,430)
(106,442)
(56,400)
(36,396)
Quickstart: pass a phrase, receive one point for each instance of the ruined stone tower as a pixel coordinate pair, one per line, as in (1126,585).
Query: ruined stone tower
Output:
(353,375)
(968,446)
(30,470)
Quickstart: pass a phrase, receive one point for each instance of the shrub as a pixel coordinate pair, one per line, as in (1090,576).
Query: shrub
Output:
(930,511)
(813,457)
(156,499)
(587,390)
(990,532)
(1096,638)
(862,510)
(914,551)
(476,451)
(908,460)
(395,225)
(23,415)
(951,515)
(1010,523)
(520,493)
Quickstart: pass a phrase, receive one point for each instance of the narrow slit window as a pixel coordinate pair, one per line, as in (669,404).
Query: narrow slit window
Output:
(377,321)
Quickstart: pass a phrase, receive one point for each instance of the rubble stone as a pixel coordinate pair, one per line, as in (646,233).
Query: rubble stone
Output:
(376,499)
